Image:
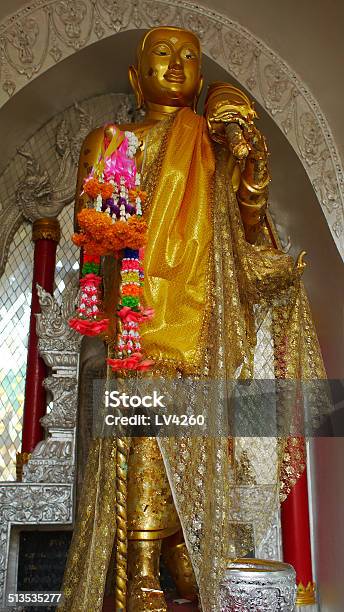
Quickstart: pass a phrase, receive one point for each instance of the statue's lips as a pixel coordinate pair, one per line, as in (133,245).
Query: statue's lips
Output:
(174,77)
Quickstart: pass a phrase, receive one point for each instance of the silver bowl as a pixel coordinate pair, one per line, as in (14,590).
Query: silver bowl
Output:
(256,585)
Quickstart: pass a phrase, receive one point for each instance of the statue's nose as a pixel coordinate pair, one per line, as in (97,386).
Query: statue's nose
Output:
(175,63)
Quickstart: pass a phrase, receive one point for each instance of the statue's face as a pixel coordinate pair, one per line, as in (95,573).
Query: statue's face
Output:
(169,67)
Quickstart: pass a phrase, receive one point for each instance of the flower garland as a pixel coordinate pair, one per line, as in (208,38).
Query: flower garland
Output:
(112,225)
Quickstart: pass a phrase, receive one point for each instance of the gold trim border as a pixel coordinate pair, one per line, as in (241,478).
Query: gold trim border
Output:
(157,534)
(306,596)
(46,229)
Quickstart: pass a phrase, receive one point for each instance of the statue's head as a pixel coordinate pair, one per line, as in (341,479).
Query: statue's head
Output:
(168,70)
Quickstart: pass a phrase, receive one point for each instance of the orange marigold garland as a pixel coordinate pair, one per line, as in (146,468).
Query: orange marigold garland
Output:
(100,235)
(112,225)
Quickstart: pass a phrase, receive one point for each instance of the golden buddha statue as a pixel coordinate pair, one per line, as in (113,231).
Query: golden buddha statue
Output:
(211,264)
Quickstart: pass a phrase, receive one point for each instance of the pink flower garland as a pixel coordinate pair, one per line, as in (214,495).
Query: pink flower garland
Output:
(113,187)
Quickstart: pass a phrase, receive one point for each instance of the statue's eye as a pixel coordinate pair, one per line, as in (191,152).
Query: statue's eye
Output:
(188,54)
(162,51)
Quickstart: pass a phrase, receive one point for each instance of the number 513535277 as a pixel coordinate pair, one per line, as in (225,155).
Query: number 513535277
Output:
(33,599)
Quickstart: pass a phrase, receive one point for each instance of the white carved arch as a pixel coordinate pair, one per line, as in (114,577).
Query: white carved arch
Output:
(45,32)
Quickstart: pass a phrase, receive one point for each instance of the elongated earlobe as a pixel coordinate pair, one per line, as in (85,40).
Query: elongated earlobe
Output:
(135,84)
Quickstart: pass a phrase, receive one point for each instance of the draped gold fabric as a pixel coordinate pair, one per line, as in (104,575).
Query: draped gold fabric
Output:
(178,245)
(234,310)
(91,548)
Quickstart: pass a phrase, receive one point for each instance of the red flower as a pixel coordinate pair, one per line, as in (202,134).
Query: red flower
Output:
(134,362)
(127,314)
(88,328)
(128,363)
(147,313)
(145,365)
(89,257)
(90,279)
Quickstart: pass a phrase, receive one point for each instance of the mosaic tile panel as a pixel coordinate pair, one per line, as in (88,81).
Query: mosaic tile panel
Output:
(15,301)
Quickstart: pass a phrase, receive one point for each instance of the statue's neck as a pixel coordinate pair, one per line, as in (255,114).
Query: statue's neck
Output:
(158,112)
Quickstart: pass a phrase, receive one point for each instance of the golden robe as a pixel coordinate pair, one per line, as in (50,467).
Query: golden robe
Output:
(212,293)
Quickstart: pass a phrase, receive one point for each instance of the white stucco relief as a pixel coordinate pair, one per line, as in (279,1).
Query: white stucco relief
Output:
(45,32)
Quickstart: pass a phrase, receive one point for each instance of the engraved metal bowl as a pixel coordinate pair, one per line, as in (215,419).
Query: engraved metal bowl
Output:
(256,585)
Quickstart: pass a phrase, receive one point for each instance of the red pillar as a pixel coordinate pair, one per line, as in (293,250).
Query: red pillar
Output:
(46,235)
(297,540)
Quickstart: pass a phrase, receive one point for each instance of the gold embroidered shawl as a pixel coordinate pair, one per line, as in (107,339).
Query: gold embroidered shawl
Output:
(213,294)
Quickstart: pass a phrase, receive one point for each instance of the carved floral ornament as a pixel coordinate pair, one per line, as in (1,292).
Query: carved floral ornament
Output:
(45,32)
